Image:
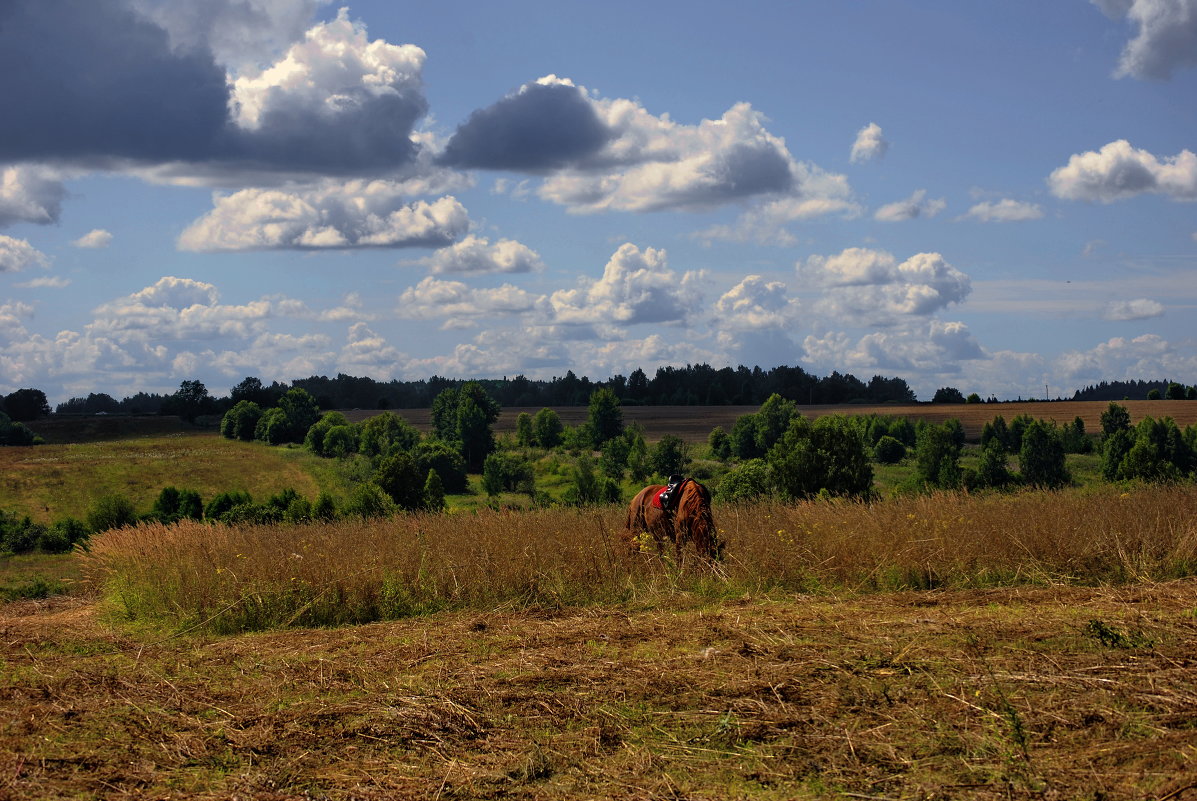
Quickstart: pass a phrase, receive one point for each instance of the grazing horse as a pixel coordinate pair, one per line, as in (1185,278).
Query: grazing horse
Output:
(688,519)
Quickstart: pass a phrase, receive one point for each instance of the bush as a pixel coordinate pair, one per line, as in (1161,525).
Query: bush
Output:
(937,458)
(369,501)
(272,427)
(223,502)
(746,482)
(669,456)
(1041,458)
(383,433)
(547,428)
(434,492)
(525,437)
(313,440)
(507,472)
(992,469)
(19,534)
(111,511)
(445,460)
(889,450)
(400,477)
(719,444)
(241,421)
(589,488)
(824,457)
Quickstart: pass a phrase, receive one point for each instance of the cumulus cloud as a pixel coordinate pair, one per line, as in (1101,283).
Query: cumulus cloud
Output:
(543,126)
(435,298)
(1125,359)
(1166,39)
(334,215)
(1119,171)
(17,254)
(869,144)
(1005,210)
(765,223)
(637,287)
(176,309)
(935,347)
(238,33)
(755,303)
(871,283)
(334,103)
(1137,309)
(917,205)
(477,255)
(96,238)
(30,194)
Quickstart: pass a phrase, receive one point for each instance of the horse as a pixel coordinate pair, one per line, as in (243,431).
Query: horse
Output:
(690,519)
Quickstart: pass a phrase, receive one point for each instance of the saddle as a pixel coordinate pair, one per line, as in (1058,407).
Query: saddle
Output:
(667,499)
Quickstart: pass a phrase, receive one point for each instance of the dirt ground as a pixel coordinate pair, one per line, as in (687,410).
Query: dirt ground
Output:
(1045,693)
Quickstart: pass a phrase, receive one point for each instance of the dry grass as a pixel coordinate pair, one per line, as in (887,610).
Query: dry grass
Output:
(246,578)
(995,694)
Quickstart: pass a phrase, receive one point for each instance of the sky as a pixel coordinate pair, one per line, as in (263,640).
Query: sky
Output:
(998,197)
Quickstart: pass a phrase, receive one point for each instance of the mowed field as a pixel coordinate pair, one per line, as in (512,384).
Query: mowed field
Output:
(694,423)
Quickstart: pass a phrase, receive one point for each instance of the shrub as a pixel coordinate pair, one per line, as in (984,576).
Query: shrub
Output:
(369,501)
(547,428)
(272,427)
(992,469)
(1115,418)
(670,455)
(434,492)
(223,502)
(746,482)
(824,457)
(937,458)
(19,534)
(314,439)
(719,444)
(111,511)
(507,472)
(383,433)
(889,450)
(524,434)
(1041,458)
(605,416)
(445,460)
(64,534)
(341,441)
(241,421)
(399,476)
(589,488)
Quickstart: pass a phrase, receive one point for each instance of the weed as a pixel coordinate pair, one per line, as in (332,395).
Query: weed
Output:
(1111,637)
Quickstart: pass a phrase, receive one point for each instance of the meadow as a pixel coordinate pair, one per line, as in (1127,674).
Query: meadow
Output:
(1003,645)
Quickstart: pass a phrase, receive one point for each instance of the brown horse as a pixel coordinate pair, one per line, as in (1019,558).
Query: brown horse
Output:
(689,520)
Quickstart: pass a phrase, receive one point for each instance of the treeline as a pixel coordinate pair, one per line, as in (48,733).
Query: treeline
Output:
(692,385)
(1135,390)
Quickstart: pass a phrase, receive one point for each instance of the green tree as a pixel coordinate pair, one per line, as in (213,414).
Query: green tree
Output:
(464,417)
(973,398)
(548,428)
(241,421)
(300,412)
(1153,394)
(386,432)
(745,482)
(189,402)
(272,427)
(1175,392)
(889,450)
(507,472)
(1041,458)
(587,487)
(434,492)
(937,457)
(773,420)
(827,455)
(1115,418)
(670,455)
(13,433)
(525,436)
(743,438)
(1114,448)
(606,416)
(398,475)
(369,501)
(996,430)
(314,439)
(992,468)
(948,395)
(25,405)
(719,444)
(110,511)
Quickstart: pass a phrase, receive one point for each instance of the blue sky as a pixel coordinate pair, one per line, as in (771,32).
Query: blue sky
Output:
(992,196)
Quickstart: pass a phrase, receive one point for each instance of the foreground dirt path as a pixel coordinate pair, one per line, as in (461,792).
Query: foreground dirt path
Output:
(1068,693)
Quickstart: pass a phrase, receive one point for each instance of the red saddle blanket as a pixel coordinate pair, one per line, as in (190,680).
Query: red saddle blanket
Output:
(657,498)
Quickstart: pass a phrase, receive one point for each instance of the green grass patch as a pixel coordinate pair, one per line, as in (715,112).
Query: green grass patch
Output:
(37,575)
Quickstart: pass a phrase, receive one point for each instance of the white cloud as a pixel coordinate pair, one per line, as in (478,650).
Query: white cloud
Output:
(333,215)
(51,282)
(755,303)
(435,298)
(1118,358)
(1005,210)
(176,309)
(636,287)
(30,194)
(823,194)
(935,347)
(872,284)
(476,255)
(1120,171)
(1166,39)
(869,144)
(96,238)
(1137,309)
(917,205)
(18,254)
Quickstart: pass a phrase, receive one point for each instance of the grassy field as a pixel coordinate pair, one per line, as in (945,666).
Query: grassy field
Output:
(49,482)
(1021,646)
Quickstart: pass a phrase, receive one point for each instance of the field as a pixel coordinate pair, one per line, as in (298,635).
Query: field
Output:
(1029,645)
(694,423)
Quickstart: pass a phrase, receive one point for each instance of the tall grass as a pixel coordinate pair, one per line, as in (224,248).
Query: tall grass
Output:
(228,579)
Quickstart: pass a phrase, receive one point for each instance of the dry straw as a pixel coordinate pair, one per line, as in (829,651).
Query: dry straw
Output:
(227,579)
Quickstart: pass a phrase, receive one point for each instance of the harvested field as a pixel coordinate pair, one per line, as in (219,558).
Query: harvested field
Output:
(694,423)
(1056,692)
